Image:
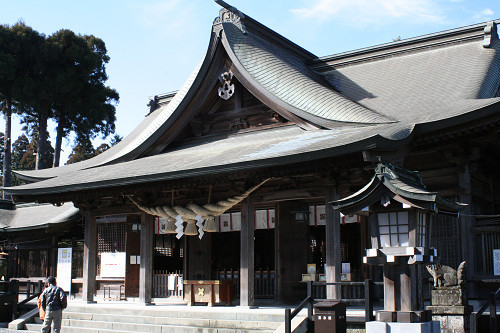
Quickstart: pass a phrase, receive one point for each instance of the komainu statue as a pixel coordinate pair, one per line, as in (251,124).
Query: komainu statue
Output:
(447,274)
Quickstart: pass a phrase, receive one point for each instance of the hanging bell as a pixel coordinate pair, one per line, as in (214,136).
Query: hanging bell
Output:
(171,226)
(191,228)
(210,224)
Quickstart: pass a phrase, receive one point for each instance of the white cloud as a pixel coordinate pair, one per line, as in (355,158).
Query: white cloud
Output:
(373,11)
(487,11)
(484,15)
(163,15)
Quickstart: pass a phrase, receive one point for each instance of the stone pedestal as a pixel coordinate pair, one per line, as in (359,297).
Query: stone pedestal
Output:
(403,316)
(381,327)
(450,308)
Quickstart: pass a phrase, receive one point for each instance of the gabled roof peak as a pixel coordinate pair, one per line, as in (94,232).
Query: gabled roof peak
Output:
(231,15)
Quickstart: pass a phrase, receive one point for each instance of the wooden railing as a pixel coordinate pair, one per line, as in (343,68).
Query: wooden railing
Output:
(474,318)
(10,291)
(357,292)
(167,284)
(308,301)
(264,281)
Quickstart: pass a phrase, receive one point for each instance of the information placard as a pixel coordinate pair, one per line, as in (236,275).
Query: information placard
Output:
(496,262)
(64,256)
(113,264)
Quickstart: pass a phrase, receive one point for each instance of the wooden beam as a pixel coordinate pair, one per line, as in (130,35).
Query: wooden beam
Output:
(247,270)
(89,258)
(333,254)
(146,270)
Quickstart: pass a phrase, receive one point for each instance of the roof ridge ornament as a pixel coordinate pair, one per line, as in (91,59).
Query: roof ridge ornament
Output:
(490,34)
(228,14)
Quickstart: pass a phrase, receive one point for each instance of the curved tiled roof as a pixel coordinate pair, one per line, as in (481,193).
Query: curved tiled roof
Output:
(426,86)
(286,76)
(236,152)
(371,104)
(33,216)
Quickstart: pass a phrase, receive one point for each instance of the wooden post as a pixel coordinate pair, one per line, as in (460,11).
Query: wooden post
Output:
(368,300)
(247,270)
(406,295)
(333,255)
(146,270)
(53,256)
(89,258)
(389,288)
(466,221)
(14,291)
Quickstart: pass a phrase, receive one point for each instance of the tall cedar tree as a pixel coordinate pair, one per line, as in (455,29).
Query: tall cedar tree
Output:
(70,81)
(83,150)
(85,105)
(19,49)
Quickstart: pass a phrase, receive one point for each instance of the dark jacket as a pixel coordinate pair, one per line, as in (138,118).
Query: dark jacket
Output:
(53,298)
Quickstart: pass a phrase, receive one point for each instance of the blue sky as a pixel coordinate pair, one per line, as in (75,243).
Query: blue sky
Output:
(154,45)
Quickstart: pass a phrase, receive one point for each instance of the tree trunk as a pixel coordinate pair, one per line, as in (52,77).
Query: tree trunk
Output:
(42,138)
(7,160)
(59,137)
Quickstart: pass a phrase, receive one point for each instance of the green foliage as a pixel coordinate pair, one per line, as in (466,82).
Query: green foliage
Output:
(24,152)
(82,150)
(61,77)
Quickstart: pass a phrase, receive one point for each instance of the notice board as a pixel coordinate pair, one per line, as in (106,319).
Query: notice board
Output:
(64,256)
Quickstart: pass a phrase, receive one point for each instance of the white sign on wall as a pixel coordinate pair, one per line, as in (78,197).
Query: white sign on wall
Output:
(496,262)
(113,264)
(64,256)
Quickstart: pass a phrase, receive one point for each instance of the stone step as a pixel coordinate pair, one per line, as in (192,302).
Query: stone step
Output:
(221,313)
(161,329)
(137,323)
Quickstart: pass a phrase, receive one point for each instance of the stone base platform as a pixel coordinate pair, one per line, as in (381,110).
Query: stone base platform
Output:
(403,316)
(382,327)
(454,319)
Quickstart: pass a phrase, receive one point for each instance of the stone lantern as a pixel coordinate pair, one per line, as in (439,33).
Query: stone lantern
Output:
(400,211)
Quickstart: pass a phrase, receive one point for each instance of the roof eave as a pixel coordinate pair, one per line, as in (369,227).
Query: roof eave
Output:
(373,142)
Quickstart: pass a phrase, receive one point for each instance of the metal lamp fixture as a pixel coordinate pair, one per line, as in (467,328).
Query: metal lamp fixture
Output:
(300,215)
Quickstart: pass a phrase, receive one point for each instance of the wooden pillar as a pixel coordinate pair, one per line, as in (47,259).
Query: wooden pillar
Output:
(53,256)
(333,254)
(466,221)
(146,270)
(89,258)
(389,288)
(406,295)
(247,269)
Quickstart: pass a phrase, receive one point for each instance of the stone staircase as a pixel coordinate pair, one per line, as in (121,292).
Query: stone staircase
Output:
(113,318)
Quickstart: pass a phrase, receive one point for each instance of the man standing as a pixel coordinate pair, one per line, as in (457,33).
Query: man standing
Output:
(53,302)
